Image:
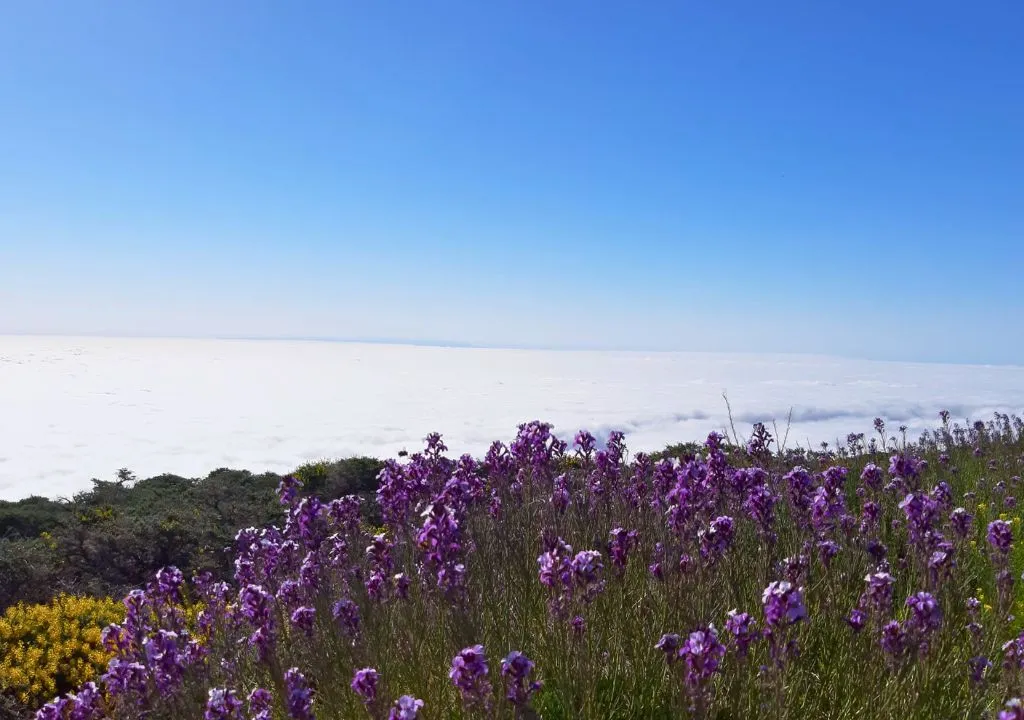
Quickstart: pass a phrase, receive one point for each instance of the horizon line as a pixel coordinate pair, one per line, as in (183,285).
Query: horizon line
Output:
(457,345)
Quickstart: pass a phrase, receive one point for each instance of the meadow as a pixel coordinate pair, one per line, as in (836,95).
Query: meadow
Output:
(569,578)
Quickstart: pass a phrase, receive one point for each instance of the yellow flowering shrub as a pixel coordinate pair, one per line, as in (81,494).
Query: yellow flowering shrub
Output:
(47,650)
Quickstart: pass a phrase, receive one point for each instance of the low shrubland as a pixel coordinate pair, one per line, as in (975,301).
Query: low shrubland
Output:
(877,579)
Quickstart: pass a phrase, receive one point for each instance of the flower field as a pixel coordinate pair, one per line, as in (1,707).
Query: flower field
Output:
(570,579)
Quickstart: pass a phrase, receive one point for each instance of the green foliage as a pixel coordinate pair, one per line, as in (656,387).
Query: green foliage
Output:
(113,537)
(31,517)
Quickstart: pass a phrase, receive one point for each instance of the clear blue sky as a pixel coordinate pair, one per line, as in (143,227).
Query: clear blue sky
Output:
(841,177)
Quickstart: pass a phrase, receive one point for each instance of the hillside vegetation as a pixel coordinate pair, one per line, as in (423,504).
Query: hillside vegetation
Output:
(730,579)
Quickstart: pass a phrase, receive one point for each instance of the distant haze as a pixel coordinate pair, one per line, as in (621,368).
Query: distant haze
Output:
(78,408)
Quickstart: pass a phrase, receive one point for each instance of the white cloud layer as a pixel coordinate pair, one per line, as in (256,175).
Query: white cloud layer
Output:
(78,408)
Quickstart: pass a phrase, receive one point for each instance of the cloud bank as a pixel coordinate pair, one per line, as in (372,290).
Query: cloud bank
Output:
(79,408)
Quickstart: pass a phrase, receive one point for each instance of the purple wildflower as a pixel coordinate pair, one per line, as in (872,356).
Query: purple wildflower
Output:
(1012,710)
(469,675)
(871,476)
(741,627)
(669,644)
(288,489)
(878,594)
(827,549)
(783,604)
(260,704)
(979,666)
(364,684)
(926,614)
(85,704)
(124,677)
(856,619)
(300,698)
(222,704)
(961,521)
(703,654)
(162,656)
(893,639)
(1000,536)
(303,618)
(516,669)
(406,708)
(621,543)
(717,539)
(346,613)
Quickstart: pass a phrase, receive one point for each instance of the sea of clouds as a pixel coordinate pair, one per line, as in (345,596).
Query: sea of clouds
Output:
(72,409)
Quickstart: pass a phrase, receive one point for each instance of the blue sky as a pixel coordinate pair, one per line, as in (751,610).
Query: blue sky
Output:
(828,177)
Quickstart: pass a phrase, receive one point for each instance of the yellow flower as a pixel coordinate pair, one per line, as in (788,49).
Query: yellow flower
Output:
(53,648)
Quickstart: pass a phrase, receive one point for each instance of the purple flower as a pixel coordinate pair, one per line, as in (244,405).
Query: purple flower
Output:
(303,618)
(406,708)
(828,508)
(856,619)
(516,669)
(827,549)
(685,563)
(1000,536)
(346,613)
(893,638)
(921,512)
(124,677)
(783,604)
(364,684)
(669,644)
(703,654)
(878,594)
(794,567)
(469,675)
(401,583)
(222,704)
(560,496)
(961,521)
(288,489)
(166,666)
(715,541)
(138,612)
(299,700)
(1013,653)
(621,543)
(168,583)
(586,572)
(904,466)
(259,704)
(926,614)
(760,504)
(979,665)
(53,710)
(741,627)
(871,476)
(834,478)
(1012,710)
(801,489)
(585,442)
(85,704)
(290,593)
(578,625)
